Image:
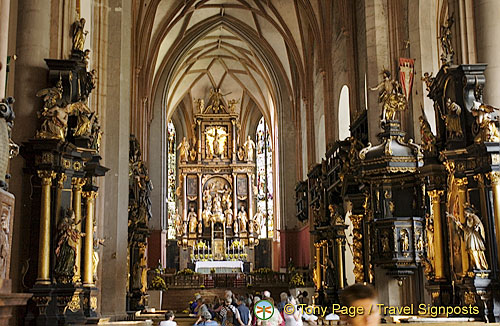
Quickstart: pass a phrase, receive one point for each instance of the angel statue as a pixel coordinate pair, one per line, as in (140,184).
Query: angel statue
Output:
(232,105)
(391,96)
(200,105)
(79,35)
(488,131)
(474,235)
(67,240)
(183,150)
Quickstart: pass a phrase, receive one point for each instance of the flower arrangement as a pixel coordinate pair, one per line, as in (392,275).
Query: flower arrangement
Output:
(186,271)
(297,280)
(263,271)
(202,286)
(157,282)
(212,270)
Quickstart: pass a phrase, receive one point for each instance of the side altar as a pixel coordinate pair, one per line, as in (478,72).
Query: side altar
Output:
(217,220)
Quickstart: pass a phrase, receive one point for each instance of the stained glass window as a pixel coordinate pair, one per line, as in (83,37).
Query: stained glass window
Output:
(171,177)
(265,180)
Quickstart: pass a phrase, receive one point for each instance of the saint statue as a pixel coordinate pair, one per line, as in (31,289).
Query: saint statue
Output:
(241,153)
(229,216)
(226,197)
(243,219)
(200,105)
(335,217)
(217,214)
(430,237)
(384,241)
(51,95)
(488,131)
(220,142)
(95,254)
(474,237)
(249,147)
(193,220)
(55,118)
(405,240)
(209,142)
(4,241)
(67,239)
(452,119)
(79,35)
(428,138)
(391,96)
(207,199)
(445,40)
(254,224)
(171,143)
(428,80)
(183,150)
(179,225)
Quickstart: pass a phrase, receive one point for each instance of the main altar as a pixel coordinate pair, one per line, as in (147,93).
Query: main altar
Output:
(217,221)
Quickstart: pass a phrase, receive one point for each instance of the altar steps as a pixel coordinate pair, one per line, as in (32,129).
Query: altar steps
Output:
(178,299)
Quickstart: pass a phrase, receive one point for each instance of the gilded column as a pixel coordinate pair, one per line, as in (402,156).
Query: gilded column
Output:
(462,197)
(235,198)
(250,196)
(494,178)
(44,241)
(200,200)
(77,184)
(184,197)
(340,261)
(357,243)
(435,196)
(317,270)
(88,268)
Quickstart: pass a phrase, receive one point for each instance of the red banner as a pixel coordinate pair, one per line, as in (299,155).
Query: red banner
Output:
(406,74)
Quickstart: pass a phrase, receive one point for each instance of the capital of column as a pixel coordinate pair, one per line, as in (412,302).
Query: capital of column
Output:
(461,183)
(62,178)
(435,195)
(46,176)
(78,183)
(90,194)
(494,177)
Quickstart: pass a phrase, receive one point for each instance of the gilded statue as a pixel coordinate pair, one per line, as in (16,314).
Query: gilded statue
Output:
(183,150)
(193,220)
(430,237)
(228,216)
(232,105)
(206,216)
(220,142)
(79,35)
(96,134)
(207,199)
(384,241)
(216,104)
(243,219)
(179,225)
(95,255)
(391,96)
(428,138)
(192,151)
(226,197)
(209,142)
(68,238)
(335,217)
(85,119)
(452,119)
(405,240)
(51,95)
(171,143)
(217,214)
(474,237)
(249,147)
(254,224)
(241,153)
(55,123)
(200,105)
(488,131)
(445,40)
(4,241)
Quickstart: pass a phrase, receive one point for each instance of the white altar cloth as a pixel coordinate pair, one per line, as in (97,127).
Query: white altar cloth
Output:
(222,266)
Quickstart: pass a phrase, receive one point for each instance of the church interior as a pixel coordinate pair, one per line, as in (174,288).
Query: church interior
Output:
(160,152)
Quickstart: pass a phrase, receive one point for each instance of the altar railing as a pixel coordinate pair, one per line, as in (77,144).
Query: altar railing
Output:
(235,280)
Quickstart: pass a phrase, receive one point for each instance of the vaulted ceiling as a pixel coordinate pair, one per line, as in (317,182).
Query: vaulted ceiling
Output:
(255,51)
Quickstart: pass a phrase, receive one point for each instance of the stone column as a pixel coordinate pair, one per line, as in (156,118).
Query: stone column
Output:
(488,47)
(32,46)
(77,184)
(250,197)
(44,240)
(435,196)
(115,153)
(88,277)
(4,42)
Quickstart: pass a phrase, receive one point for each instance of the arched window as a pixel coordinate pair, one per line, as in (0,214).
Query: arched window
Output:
(171,177)
(265,179)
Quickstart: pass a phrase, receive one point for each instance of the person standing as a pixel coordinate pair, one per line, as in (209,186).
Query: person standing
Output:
(243,311)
